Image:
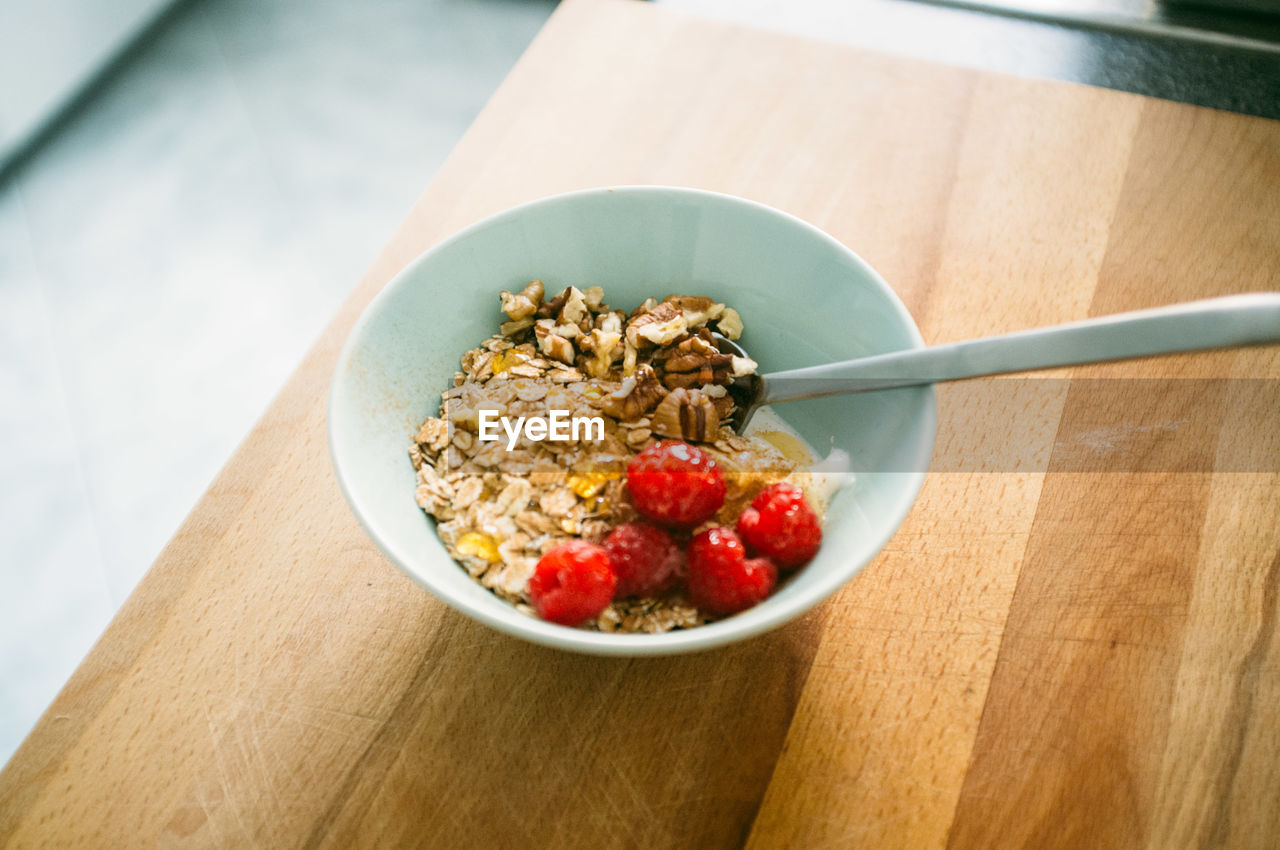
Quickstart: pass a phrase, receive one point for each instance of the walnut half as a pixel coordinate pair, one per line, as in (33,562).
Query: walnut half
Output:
(686,414)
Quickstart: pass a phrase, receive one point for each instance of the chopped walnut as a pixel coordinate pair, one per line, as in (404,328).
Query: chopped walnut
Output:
(630,356)
(635,397)
(515,326)
(724,404)
(550,309)
(696,309)
(575,307)
(708,375)
(729,323)
(603,343)
(594,296)
(611,322)
(604,348)
(553,345)
(743,366)
(523,304)
(568,330)
(658,326)
(695,354)
(569,313)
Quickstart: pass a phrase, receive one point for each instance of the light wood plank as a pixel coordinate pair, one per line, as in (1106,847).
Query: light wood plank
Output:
(885,730)
(1079,743)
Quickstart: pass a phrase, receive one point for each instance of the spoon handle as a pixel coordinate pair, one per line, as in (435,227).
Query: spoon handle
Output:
(1226,322)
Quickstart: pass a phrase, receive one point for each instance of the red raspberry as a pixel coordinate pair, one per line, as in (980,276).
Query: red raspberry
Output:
(675,483)
(572,583)
(780,525)
(722,579)
(645,559)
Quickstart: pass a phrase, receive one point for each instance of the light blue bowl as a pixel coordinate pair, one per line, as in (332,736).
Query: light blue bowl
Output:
(804,299)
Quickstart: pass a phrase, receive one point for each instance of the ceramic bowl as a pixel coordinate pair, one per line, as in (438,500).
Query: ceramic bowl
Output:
(804,299)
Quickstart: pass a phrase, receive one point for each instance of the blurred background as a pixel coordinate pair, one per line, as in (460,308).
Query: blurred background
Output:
(188,190)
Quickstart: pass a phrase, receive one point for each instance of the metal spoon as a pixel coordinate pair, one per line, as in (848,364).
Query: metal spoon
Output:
(1227,322)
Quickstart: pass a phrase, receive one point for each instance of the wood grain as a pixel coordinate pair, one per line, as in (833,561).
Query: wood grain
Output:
(899,683)
(1042,656)
(1092,773)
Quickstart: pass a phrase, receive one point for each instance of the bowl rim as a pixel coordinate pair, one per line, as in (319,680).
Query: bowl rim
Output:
(729,630)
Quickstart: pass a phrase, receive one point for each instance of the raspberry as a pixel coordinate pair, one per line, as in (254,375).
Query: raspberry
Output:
(645,559)
(572,583)
(722,579)
(780,525)
(675,484)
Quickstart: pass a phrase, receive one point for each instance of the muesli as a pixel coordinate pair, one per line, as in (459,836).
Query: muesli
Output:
(533,442)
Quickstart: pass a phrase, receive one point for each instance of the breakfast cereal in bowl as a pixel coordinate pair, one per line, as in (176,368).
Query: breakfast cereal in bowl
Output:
(582,466)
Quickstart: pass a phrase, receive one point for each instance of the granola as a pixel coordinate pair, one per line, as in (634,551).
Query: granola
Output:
(650,374)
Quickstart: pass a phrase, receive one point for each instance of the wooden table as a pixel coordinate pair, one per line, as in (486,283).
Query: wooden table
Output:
(1039,658)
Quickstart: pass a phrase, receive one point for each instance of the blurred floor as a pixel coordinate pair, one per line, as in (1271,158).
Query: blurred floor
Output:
(167,257)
